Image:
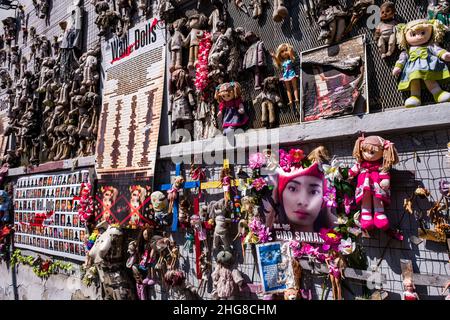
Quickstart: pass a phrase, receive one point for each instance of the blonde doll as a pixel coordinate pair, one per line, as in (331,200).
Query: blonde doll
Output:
(229,96)
(284,59)
(422,60)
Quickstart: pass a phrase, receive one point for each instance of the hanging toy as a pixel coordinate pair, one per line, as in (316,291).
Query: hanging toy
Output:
(225,180)
(172,194)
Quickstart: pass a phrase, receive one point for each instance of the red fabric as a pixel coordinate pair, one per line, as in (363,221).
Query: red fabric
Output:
(198,250)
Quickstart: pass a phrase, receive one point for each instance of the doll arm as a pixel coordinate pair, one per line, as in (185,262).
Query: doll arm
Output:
(237,277)
(241,109)
(220,109)
(385,180)
(257,98)
(440,52)
(400,64)
(353,171)
(187,41)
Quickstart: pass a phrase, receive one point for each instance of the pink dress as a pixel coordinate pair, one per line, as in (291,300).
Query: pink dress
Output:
(369,178)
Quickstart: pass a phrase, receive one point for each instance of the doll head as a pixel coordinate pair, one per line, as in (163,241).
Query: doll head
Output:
(174,278)
(159,201)
(177,25)
(180,80)
(197,21)
(143,239)
(375,148)
(420,32)
(178,183)
(387,11)
(228,91)
(409,285)
(284,52)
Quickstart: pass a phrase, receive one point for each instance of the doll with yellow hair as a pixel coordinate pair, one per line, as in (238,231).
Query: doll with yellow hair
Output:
(422,60)
(284,60)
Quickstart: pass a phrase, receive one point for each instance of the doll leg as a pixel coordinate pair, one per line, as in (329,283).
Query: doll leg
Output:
(340,28)
(191,58)
(264,107)
(391,45)
(295,87)
(257,79)
(437,92)
(178,62)
(271,115)
(366,219)
(380,220)
(382,47)
(414,100)
(289,93)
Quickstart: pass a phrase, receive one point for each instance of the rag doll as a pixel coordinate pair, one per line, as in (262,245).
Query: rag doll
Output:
(226,277)
(385,30)
(176,44)
(279,11)
(284,60)
(270,99)
(422,60)
(231,107)
(184,213)
(219,211)
(181,290)
(410,290)
(196,24)
(146,259)
(374,158)
(160,203)
(331,21)
(255,57)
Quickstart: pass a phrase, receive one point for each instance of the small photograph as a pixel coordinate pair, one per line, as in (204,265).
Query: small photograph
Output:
(71,248)
(82,233)
(60,246)
(58,192)
(57,205)
(69,205)
(66,233)
(71,234)
(66,247)
(63,205)
(75,220)
(59,182)
(50,245)
(76,237)
(55,233)
(41,182)
(77,250)
(63,220)
(61,233)
(68,221)
(64,181)
(85,177)
(67,192)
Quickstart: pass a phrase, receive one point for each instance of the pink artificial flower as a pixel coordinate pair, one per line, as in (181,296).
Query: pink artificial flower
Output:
(285,161)
(296,155)
(331,238)
(330,197)
(259,184)
(257,160)
(347,204)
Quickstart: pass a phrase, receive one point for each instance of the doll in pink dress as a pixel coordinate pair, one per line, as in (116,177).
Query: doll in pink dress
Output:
(375,156)
(410,291)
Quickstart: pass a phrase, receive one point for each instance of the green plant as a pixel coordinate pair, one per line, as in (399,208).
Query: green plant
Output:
(42,268)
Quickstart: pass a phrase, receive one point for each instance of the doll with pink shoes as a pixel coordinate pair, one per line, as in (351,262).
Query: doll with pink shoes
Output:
(374,158)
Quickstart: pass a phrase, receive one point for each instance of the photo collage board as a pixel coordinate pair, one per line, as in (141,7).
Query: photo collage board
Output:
(46,214)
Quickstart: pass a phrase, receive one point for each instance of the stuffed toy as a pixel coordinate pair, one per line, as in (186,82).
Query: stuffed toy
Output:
(231,107)
(255,57)
(291,294)
(160,204)
(385,30)
(374,158)
(331,21)
(226,277)
(279,11)
(270,99)
(218,211)
(284,60)
(422,60)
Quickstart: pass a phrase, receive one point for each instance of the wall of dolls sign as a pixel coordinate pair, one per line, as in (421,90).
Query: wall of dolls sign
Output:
(46,210)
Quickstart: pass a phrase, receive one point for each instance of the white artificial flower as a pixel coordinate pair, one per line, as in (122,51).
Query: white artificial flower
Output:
(347,246)
(342,220)
(332,171)
(355,231)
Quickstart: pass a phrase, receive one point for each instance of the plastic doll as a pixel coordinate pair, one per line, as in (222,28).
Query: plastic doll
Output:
(270,99)
(146,256)
(422,60)
(375,156)
(230,106)
(385,30)
(331,21)
(279,11)
(284,59)
(196,23)
(176,44)
(160,203)
(226,277)
(172,194)
(225,180)
(410,290)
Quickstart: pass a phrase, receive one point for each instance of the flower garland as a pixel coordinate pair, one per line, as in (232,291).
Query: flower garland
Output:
(42,268)
(201,72)
(86,209)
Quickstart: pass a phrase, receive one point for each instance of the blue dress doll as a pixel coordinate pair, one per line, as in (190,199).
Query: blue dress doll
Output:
(284,60)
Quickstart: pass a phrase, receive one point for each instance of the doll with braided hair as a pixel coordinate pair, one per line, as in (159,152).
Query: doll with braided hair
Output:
(374,158)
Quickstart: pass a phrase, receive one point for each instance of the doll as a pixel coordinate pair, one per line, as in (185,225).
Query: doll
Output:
(385,30)
(279,11)
(284,59)
(255,57)
(218,211)
(447,287)
(196,23)
(181,290)
(181,104)
(172,194)
(225,180)
(336,266)
(410,290)
(146,256)
(225,277)
(375,156)
(257,8)
(184,213)
(138,195)
(176,44)
(270,99)
(231,107)
(160,203)
(422,60)
(331,21)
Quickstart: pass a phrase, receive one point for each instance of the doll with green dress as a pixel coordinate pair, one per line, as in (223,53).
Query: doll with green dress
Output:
(422,61)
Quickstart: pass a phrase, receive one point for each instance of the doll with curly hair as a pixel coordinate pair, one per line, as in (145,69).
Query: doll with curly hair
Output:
(422,60)
(229,96)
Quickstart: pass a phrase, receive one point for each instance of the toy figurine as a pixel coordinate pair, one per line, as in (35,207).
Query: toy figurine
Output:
(336,266)
(160,203)
(230,106)
(225,181)
(410,290)
(146,257)
(255,57)
(310,8)
(284,59)
(279,11)
(375,156)
(176,44)
(197,22)
(385,30)
(422,60)
(331,21)
(172,194)
(270,99)
(184,213)
(225,277)
(181,105)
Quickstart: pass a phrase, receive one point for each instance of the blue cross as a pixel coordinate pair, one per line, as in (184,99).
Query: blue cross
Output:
(186,185)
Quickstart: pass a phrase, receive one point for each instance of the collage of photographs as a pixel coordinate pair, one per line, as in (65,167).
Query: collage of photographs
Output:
(46,213)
